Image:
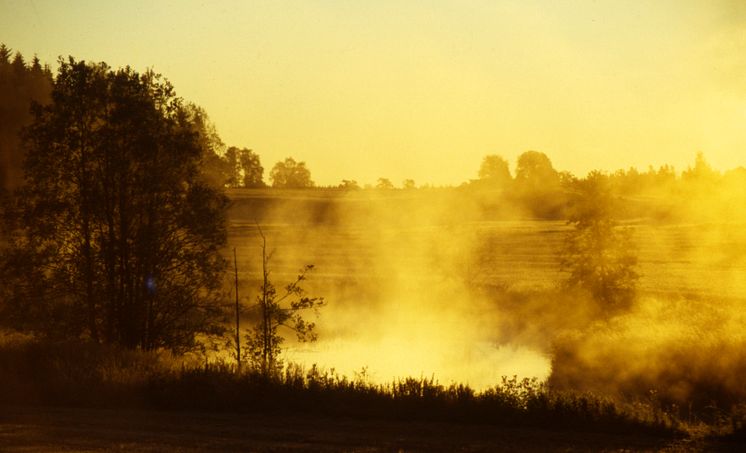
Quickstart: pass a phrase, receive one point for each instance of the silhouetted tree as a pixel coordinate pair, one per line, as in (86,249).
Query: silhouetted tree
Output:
(538,185)
(384,183)
(252,171)
(279,311)
(494,171)
(665,175)
(598,256)
(290,174)
(349,184)
(215,169)
(117,212)
(627,182)
(19,87)
(243,168)
(701,172)
(535,170)
(36,64)
(232,167)
(5,54)
(409,184)
(238,167)
(19,64)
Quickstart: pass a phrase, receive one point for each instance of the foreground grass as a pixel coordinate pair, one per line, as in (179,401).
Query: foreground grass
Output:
(78,396)
(75,374)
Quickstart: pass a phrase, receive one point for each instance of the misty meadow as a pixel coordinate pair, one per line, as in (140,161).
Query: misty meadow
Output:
(163,290)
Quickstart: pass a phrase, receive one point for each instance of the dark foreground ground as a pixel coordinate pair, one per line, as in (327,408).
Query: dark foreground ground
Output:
(44,429)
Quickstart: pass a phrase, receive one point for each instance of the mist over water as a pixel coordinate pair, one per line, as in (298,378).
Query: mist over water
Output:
(433,285)
(400,277)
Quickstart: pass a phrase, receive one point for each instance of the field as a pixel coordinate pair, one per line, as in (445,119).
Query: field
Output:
(462,281)
(344,234)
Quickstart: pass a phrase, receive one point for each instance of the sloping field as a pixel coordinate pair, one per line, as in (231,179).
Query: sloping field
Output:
(411,277)
(347,237)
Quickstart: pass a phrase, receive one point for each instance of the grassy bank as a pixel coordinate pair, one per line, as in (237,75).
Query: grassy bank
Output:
(86,375)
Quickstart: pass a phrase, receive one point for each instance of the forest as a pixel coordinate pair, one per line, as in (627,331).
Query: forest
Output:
(147,265)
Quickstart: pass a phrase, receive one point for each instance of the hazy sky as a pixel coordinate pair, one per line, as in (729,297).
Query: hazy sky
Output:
(425,89)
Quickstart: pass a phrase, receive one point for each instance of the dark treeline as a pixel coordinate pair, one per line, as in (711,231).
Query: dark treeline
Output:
(21,83)
(115,233)
(114,220)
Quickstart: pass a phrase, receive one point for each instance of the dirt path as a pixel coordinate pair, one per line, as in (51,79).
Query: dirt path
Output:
(42,429)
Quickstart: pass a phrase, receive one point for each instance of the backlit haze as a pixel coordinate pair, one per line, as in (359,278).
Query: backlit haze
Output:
(461,284)
(423,90)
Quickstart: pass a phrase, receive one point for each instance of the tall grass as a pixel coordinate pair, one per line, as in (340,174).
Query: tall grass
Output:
(85,374)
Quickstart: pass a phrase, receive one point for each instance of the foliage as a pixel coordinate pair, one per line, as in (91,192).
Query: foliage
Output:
(117,220)
(214,168)
(349,184)
(20,85)
(251,169)
(244,168)
(534,169)
(538,185)
(598,255)
(494,171)
(231,167)
(384,184)
(290,174)
(278,311)
(701,172)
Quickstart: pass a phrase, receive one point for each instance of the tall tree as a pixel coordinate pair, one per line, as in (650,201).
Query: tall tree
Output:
(349,184)
(238,167)
(384,184)
(598,256)
(534,169)
(494,171)
(252,172)
(538,185)
(19,64)
(5,54)
(701,172)
(214,167)
(290,174)
(20,86)
(118,211)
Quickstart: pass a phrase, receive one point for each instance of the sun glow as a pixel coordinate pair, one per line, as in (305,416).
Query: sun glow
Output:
(423,91)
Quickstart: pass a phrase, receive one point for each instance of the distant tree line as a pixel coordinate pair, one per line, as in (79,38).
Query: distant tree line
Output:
(537,186)
(115,234)
(543,192)
(21,83)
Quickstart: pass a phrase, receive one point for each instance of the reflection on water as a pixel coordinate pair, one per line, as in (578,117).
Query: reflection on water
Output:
(480,365)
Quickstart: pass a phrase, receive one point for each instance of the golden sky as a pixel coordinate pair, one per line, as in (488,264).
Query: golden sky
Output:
(424,89)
